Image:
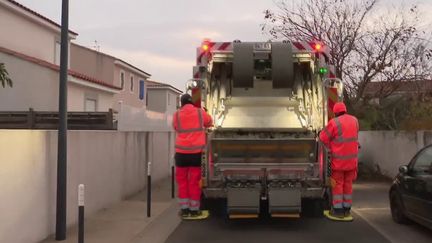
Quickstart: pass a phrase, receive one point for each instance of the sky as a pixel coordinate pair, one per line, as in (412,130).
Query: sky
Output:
(161,36)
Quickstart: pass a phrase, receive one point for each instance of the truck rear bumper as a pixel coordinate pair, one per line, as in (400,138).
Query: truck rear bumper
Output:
(312,192)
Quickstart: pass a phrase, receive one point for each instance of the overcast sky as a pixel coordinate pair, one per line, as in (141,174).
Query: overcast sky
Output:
(160,36)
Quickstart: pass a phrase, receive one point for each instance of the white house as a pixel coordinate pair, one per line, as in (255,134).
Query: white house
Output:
(162,97)
(30,50)
(114,71)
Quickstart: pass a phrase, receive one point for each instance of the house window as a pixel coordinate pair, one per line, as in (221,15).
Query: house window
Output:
(57,51)
(90,105)
(141,89)
(122,80)
(131,83)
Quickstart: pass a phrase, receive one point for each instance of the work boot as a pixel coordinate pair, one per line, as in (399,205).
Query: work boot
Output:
(337,212)
(195,213)
(347,212)
(185,212)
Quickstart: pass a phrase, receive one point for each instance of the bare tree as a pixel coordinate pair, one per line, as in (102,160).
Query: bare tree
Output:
(4,76)
(363,47)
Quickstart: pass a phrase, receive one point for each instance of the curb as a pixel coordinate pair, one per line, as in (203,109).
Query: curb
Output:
(161,227)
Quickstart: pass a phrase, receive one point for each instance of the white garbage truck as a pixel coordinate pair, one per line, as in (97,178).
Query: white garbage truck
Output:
(269,100)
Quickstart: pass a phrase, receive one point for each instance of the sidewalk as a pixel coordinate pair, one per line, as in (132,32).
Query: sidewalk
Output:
(127,221)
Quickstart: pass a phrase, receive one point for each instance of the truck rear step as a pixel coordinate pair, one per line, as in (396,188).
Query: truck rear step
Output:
(284,202)
(243,202)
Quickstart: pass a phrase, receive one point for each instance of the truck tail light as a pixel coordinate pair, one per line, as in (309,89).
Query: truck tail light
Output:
(205,47)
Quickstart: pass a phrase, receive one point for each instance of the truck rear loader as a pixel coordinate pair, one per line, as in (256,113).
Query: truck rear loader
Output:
(269,100)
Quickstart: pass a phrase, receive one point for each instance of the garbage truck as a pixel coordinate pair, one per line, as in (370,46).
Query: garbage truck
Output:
(269,101)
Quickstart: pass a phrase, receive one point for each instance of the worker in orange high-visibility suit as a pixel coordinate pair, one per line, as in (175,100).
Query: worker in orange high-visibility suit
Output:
(190,124)
(340,136)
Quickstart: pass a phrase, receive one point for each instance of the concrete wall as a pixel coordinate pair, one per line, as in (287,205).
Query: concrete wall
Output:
(387,150)
(22,34)
(135,119)
(111,164)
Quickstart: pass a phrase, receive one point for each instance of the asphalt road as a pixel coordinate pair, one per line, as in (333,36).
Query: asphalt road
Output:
(372,224)
(310,230)
(372,204)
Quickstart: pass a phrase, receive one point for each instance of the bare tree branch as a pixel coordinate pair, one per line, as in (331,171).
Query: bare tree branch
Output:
(364,48)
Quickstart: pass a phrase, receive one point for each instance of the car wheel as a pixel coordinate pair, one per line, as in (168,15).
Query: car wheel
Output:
(396,207)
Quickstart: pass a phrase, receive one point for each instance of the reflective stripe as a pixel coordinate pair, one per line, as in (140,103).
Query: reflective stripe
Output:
(190,148)
(337,205)
(327,133)
(339,127)
(184,203)
(197,129)
(347,205)
(183,200)
(200,119)
(344,157)
(347,197)
(338,197)
(190,130)
(184,206)
(194,205)
(346,140)
(340,138)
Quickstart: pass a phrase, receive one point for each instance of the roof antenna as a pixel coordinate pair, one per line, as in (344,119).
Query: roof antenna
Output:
(96,46)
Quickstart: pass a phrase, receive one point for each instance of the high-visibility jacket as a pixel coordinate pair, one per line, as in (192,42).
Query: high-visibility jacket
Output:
(190,123)
(340,136)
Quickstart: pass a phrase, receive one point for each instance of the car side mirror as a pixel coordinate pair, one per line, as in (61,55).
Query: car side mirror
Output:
(403,169)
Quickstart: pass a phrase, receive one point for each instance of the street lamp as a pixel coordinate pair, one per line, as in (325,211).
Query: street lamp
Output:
(62,128)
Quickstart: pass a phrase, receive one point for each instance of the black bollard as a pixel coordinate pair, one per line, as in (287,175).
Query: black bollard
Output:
(81,213)
(149,189)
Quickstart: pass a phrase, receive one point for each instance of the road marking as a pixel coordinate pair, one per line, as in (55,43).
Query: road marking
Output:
(374,225)
(371,209)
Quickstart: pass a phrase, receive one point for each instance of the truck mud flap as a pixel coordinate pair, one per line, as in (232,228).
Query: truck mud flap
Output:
(282,65)
(284,202)
(243,202)
(243,65)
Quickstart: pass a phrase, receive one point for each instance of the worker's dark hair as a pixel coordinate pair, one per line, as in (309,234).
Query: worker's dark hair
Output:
(186,99)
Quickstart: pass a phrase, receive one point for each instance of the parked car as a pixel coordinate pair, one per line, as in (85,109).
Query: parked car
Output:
(411,192)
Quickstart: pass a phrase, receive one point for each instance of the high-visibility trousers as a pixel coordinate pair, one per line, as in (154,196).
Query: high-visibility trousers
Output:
(189,190)
(342,188)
